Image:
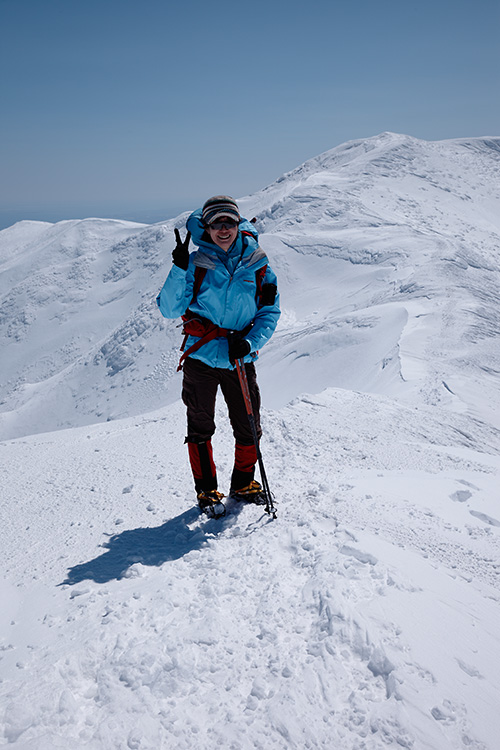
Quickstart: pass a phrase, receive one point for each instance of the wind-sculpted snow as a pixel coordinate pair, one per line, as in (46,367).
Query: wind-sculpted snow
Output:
(366,616)
(77,310)
(386,252)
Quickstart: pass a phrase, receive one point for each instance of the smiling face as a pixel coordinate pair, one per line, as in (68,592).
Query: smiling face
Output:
(223,232)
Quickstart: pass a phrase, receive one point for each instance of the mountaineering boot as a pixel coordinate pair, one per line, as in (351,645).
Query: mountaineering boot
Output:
(252,493)
(210,502)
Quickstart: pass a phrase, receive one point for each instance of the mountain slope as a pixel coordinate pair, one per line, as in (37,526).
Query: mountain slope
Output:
(366,616)
(411,231)
(403,231)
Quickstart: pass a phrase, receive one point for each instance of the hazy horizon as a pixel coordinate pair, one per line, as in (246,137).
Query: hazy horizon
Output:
(53,214)
(124,108)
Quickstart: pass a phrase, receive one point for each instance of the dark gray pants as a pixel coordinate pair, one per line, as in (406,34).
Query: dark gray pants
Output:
(199,391)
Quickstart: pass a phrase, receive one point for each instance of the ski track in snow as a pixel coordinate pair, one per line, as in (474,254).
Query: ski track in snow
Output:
(138,624)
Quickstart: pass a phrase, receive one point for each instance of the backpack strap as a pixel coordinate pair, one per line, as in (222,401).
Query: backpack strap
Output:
(211,333)
(259,279)
(199,275)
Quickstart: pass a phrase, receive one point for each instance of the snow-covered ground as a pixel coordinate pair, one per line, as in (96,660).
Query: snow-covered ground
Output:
(364,617)
(387,256)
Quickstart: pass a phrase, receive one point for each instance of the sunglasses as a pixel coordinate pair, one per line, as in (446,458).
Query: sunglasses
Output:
(228,223)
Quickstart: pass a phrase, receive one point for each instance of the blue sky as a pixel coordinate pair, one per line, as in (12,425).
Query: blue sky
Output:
(143,108)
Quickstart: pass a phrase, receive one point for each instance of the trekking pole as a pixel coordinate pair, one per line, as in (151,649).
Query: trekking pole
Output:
(240,368)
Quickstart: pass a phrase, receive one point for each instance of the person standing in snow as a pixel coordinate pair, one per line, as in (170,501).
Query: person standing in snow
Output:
(227,296)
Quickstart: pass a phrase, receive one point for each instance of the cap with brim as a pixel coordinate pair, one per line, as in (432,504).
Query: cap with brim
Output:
(217,207)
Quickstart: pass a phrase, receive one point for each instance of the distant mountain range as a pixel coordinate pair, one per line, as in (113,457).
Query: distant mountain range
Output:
(386,251)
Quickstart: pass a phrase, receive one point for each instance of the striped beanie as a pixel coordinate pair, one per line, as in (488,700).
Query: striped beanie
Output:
(220,205)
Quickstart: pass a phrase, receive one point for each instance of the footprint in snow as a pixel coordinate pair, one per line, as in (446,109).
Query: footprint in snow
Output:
(461,496)
(362,557)
(484,518)
(469,669)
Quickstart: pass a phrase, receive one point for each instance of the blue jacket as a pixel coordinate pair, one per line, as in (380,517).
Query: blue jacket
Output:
(227,295)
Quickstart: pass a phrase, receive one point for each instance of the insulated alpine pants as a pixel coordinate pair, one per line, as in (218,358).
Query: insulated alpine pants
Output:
(199,391)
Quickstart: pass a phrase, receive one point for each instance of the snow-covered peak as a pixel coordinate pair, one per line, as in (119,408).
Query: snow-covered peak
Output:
(384,179)
(386,252)
(365,616)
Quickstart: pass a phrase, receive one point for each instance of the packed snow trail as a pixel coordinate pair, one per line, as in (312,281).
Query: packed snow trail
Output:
(365,617)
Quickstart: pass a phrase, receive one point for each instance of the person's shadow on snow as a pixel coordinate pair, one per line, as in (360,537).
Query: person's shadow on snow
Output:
(149,546)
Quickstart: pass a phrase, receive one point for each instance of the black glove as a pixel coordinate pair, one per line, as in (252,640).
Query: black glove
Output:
(180,254)
(238,346)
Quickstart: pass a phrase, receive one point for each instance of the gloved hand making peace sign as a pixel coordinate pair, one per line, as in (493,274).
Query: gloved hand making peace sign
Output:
(180,254)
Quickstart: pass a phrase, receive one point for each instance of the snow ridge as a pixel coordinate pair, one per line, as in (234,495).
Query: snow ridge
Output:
(406,231)
(366,616)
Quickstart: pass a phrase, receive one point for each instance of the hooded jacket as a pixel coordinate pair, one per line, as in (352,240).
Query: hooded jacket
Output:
(228,293)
